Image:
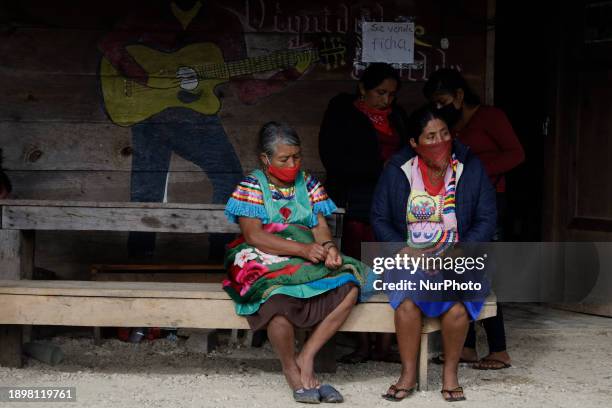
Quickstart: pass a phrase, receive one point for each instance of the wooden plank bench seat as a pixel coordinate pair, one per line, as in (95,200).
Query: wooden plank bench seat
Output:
(155,304)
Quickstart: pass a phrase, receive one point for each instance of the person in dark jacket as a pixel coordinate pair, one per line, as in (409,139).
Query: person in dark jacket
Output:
(359,133)
(442,176)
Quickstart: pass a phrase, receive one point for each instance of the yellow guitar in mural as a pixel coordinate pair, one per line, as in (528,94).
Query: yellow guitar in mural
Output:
(186,78)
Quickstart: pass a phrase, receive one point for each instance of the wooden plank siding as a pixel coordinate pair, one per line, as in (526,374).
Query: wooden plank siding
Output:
(104,216)
(58,142)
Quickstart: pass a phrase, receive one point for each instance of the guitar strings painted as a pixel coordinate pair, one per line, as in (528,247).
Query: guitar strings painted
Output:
(223,71)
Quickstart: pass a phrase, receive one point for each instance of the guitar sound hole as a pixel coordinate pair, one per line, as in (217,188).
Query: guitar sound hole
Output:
(188,77)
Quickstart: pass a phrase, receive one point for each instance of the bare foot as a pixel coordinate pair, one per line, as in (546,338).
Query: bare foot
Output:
(450,381)
(453,394)
(494,361)
(292,375)
(501,356)
(307,374)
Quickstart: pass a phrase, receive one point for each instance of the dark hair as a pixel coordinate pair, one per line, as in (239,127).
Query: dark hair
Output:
(5,183)
(447,81)
(376,73)
(273,133)
(419,119)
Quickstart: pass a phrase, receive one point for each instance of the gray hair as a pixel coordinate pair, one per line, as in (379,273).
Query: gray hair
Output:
(274,133)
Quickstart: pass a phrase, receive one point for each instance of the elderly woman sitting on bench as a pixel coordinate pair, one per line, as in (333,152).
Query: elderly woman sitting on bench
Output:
(284,271)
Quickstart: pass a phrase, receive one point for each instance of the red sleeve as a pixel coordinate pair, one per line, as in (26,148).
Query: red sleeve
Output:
(510,153)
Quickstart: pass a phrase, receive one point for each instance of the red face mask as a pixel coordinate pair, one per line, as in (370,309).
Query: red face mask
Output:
(284,174)
(437,155)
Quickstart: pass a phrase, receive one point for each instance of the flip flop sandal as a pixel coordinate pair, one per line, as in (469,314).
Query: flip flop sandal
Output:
(330,394)
(478,365)
(450,395)
(307,396)
(440,360)
(392,397)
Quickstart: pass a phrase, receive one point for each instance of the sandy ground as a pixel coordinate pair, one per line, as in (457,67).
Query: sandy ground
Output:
(561,359)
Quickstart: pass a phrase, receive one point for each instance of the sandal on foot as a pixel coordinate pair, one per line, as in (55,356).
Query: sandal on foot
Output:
(450,397)
(307,396)
(392,397)
(497,364)
(330,394)
(440,360)
(354,358)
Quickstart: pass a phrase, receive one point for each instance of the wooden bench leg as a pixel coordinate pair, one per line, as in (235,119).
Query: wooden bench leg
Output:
(201,340)
(97,336)
(423,354)
(233,337)
(17,262)
(248,338)
(11,341)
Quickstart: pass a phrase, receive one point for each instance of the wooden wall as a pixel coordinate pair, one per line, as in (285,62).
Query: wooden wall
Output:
(59,142)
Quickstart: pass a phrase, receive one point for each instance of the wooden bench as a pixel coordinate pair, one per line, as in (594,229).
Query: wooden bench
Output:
(20,219)
(155,304)
(133,304)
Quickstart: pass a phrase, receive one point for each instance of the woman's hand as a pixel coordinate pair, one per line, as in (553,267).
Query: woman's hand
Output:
(333,259)
(314,252)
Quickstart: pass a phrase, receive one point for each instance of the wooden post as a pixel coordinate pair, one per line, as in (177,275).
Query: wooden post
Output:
(201,340)
(97,336)
(423,354)
(16,262)
(233,337)
(248,338)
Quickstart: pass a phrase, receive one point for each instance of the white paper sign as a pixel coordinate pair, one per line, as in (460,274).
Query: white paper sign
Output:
(387,42)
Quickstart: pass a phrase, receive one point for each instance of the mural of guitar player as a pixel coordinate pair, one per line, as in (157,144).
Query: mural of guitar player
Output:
(158,75)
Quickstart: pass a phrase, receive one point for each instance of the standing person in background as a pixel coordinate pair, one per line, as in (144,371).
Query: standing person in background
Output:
(488,133)
(359,133)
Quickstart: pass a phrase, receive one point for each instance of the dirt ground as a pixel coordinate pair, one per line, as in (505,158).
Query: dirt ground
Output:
(560,359)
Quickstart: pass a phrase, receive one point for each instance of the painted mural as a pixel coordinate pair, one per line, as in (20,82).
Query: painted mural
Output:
(158,75)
